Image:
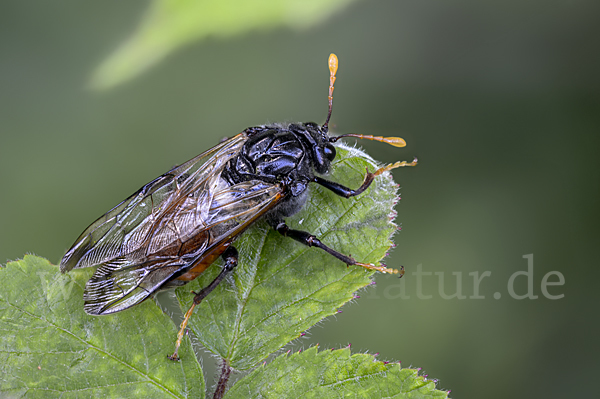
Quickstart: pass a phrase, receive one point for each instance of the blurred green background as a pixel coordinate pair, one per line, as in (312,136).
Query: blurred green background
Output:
(499,100)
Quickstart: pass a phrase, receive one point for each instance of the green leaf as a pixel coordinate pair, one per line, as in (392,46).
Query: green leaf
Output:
(282,288)
(170,24)
(51,348)
(329,374)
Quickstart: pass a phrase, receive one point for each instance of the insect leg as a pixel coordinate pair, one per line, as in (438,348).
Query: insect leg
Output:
(344,191)
(231,260)
(312,241)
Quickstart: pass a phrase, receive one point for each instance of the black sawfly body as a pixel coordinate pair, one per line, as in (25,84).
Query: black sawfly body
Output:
(173,228)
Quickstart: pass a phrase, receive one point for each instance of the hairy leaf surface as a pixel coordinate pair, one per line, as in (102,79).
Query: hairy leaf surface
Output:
(333,374)
(50,348)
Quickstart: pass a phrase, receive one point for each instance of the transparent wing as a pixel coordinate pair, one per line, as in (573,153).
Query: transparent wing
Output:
(120,283)
(179,220)
(133,229)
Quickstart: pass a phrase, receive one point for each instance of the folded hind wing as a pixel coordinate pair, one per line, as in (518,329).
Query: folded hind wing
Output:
(121,283)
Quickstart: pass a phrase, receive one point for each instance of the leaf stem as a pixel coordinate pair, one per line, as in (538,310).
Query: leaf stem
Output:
(223,378)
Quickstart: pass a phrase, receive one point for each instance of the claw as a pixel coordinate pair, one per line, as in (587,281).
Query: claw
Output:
(395,165)
(381,269)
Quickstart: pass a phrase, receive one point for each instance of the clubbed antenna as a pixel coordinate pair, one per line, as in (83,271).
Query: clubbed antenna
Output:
(333,66)
(395,141)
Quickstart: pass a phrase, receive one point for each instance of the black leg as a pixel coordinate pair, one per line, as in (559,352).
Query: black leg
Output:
(230,256)
(312,241)
(231,260)
(344,191)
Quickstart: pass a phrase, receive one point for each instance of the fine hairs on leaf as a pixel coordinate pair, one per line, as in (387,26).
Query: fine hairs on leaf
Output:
(51,348)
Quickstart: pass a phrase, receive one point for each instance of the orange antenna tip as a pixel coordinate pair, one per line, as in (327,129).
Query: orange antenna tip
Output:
(395,141)
(333,64)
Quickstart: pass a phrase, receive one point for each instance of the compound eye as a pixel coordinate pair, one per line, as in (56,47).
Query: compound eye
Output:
(329,152)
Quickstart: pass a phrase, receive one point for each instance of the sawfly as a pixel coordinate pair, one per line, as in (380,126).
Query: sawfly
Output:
(169,231)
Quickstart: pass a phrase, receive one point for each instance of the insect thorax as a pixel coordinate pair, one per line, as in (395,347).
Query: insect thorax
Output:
(288,154)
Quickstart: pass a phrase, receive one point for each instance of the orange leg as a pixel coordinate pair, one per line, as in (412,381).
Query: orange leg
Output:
(231,260)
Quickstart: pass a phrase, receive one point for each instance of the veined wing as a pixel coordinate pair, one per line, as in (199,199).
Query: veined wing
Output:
(132,229)
(121,283)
